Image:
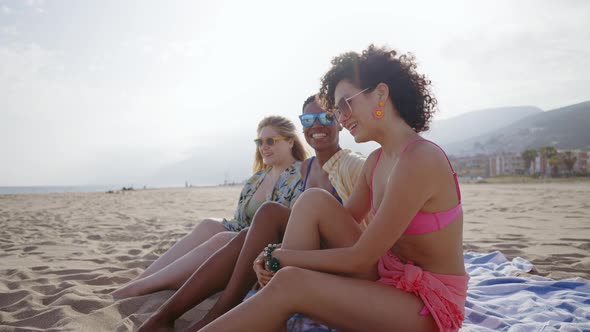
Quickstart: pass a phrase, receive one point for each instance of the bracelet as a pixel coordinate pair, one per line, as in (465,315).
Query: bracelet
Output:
(273,263)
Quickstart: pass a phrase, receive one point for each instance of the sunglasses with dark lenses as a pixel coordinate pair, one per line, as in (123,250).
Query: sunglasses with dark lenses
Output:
(269,140)
(307,120)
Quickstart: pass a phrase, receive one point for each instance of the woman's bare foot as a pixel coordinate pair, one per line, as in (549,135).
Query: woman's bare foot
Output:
(128,290)
(155,323)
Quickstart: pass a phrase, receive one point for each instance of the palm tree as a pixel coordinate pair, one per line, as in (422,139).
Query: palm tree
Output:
(528,156)
(568,158)
(547,152)
(554,164)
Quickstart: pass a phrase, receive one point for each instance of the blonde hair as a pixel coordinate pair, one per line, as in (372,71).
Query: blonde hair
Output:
(286,128)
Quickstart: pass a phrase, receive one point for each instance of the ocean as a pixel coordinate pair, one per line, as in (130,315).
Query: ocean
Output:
(87,188)
(56,189)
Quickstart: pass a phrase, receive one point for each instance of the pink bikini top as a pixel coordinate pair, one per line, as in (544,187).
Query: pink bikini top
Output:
(425,222)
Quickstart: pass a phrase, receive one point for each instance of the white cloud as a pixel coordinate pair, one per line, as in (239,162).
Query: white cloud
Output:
(8,31)
(35,3)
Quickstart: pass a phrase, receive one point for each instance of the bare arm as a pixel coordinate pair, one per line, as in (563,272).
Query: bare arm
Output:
(412,183)
(359,204)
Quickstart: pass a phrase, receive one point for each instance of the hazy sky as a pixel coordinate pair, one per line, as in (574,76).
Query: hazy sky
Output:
(113,91)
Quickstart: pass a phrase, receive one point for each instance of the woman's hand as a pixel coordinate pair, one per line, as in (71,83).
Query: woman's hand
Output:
(262,274)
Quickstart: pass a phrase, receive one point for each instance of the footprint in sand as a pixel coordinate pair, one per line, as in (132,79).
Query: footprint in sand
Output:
(108,291)
(153,220)
(122,216)
(134,252)
(29,248)
(94,237)
(138,264)
(517,217)
(123,258)
(510,245)
(96,260)
(39,268)
(9,298)
(574,239)
(519,227)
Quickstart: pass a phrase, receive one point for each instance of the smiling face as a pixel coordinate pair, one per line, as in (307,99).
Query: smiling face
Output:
(319,136)
(277,153)
(358,121)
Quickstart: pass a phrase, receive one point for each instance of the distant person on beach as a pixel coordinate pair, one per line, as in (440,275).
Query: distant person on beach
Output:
(405,271)
(333,169)
(277,162)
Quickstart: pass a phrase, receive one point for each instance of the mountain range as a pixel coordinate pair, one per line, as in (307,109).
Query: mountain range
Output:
(514,129)
(488,131)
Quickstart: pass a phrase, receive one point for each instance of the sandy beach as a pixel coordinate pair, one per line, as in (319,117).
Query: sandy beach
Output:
(61,254)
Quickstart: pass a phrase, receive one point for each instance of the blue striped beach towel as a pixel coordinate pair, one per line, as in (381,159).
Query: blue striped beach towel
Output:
(499,299)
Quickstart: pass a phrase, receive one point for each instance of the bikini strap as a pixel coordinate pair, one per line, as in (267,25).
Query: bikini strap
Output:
(412,142)
(371,183)
(335,194)
(307,173)
(444,153)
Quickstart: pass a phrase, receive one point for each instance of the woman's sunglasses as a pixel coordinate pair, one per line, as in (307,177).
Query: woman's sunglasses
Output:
(307,120)
(270,141)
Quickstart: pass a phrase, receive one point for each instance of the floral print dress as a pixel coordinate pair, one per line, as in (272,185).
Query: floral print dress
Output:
(285,191)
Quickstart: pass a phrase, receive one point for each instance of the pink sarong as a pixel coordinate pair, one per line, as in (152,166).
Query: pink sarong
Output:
(443,295)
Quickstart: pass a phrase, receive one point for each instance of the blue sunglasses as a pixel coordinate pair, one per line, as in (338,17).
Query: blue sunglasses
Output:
(307,120)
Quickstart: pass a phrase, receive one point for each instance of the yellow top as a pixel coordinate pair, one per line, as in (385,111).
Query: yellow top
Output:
(344,170)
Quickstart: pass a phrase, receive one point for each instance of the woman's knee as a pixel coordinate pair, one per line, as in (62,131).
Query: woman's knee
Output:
(271,213)
(287,278)
(272,209)
(208,222)
(209,226)
(284,288)
(313,197)
(288,284)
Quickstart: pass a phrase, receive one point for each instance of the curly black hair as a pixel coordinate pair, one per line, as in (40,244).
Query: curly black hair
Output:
(308,101)
(409,91)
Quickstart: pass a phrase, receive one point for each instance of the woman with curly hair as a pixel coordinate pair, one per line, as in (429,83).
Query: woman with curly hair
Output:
(405,272)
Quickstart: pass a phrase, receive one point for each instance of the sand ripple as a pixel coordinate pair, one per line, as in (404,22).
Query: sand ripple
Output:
(62,254)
